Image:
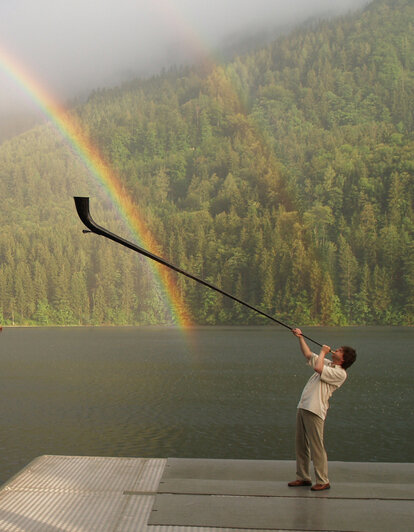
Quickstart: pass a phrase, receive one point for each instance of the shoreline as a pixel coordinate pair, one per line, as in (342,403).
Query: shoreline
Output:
(196,327)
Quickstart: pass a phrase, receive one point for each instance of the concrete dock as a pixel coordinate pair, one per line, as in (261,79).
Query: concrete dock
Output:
(84,494)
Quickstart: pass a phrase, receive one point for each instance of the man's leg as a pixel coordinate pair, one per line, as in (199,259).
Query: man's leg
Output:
(314,430)
(302,448)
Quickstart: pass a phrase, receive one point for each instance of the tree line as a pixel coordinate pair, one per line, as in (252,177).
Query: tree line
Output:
(285,177)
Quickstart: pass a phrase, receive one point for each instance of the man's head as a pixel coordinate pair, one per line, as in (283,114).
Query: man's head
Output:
(345,356)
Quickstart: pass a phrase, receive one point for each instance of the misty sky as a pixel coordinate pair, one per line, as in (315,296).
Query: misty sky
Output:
(73,46)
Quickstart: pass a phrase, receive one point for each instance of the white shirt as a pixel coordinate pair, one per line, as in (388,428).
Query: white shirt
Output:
(320,387)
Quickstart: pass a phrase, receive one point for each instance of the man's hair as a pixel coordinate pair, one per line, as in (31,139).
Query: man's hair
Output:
(349,356)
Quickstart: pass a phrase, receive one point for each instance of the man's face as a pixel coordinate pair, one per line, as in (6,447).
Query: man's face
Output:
(338,356)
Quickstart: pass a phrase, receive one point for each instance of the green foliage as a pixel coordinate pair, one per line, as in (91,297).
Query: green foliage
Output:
(284,177)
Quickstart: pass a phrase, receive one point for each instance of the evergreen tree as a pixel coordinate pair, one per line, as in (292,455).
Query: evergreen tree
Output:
(285,176)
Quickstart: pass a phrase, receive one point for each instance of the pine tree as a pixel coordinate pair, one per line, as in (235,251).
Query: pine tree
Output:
(347,265)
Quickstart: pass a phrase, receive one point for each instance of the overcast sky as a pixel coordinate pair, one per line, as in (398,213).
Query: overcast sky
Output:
(73,46)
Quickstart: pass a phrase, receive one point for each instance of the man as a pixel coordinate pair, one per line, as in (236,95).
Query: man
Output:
(312,410)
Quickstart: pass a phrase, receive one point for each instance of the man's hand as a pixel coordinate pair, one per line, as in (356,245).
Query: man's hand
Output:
(320,361)
(325,349)
(303,345)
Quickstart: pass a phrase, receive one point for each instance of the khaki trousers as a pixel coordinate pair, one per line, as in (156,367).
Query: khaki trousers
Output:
(309,445)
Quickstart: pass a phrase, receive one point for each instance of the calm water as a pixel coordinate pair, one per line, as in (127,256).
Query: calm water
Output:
(216,393)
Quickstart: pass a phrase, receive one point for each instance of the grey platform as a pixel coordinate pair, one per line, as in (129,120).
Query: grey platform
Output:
(84,494)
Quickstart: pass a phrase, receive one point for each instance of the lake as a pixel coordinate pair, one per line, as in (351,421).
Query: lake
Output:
(207,392)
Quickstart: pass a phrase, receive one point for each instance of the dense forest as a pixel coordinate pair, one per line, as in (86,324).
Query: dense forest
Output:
(284,176)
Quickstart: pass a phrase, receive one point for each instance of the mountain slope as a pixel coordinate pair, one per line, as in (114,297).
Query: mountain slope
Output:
(285,176)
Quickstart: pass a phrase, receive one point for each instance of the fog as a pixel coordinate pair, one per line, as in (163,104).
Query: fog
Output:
(72,47)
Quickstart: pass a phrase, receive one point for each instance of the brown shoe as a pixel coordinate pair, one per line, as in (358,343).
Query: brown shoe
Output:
(320,487)
(296,483)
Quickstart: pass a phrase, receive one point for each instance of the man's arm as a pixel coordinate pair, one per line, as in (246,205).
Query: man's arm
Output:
(319,364)
(307,353)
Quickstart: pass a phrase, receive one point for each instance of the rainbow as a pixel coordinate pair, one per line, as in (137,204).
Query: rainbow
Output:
(174,15)
(73,133)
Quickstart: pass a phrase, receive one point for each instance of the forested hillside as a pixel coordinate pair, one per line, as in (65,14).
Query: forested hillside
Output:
(285,177)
